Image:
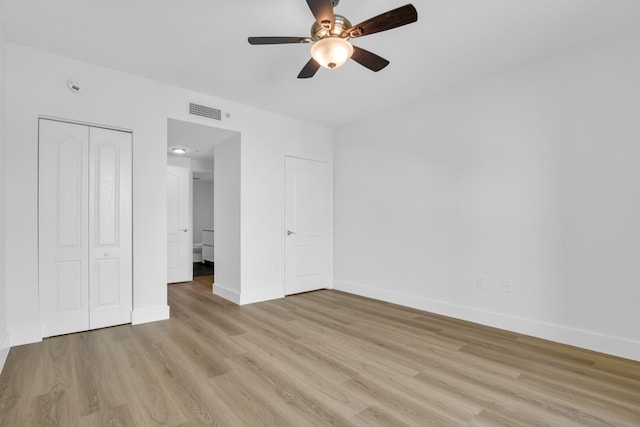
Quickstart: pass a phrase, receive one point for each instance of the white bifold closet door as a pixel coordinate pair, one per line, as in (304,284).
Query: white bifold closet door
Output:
(85,246)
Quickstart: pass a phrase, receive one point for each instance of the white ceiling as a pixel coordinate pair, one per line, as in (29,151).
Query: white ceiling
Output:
(202,45)
(199,140)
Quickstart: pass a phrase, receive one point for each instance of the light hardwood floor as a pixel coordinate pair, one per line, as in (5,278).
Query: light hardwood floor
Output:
(322,358)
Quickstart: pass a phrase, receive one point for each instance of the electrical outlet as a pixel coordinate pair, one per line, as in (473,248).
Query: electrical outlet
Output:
(481,282)
(507,285)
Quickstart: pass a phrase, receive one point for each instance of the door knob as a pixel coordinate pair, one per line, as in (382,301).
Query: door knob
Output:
(289,232)
(184,230)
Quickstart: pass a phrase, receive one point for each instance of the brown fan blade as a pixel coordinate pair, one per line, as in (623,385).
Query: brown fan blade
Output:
(392,19)
(368,59)
(323,12)
(278,40)
(309,69)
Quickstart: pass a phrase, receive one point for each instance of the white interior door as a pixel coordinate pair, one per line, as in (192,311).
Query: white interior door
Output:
(63,247)
(179,235)
(110,245)
(308,226)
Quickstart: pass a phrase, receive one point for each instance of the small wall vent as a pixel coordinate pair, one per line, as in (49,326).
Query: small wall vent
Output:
(204,111)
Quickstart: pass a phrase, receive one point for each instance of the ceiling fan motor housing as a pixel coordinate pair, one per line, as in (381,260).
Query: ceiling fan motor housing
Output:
(340,27)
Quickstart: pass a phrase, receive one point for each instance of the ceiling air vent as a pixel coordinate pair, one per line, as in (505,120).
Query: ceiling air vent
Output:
(204,111)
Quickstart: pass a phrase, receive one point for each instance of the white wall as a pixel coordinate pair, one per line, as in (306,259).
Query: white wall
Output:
(202,165)
(530,175)
(227,214)
(4,336)
(202,208)
(202,198)
(36,85)
(262,202)
(183,162)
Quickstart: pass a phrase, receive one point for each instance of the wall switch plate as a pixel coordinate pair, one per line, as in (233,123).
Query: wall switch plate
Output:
(481,282)
(507,285)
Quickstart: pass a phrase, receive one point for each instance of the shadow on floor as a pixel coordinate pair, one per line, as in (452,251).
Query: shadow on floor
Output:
(200,269)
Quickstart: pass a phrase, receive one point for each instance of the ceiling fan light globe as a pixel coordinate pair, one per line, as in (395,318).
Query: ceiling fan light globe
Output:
(331,52)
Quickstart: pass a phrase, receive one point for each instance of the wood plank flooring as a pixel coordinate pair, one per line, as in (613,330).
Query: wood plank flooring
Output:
(321,358)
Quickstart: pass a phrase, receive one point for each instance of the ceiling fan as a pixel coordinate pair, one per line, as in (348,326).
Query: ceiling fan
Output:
(330,36)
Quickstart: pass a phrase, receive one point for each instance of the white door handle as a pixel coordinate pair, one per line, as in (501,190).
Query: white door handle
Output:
(289,232)
(184,230)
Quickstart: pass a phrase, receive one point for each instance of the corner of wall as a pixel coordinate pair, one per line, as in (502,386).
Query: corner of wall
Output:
(261,295)
(4,350)
(4,333)
(226,293)
(25,334)
(149,314)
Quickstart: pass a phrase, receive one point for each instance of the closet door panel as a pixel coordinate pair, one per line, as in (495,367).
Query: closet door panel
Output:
(63,227)
(108,278)
(70,283)
(70,186)
(107,191)
(110,243)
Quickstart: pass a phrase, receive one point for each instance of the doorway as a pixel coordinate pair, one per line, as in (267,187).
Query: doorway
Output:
(191,151)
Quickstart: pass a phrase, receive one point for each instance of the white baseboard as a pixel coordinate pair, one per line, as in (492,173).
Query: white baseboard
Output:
(4,350)
(261,295)
(616,346)
(226,293)
(244,298)
(149,314)
(25,334)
